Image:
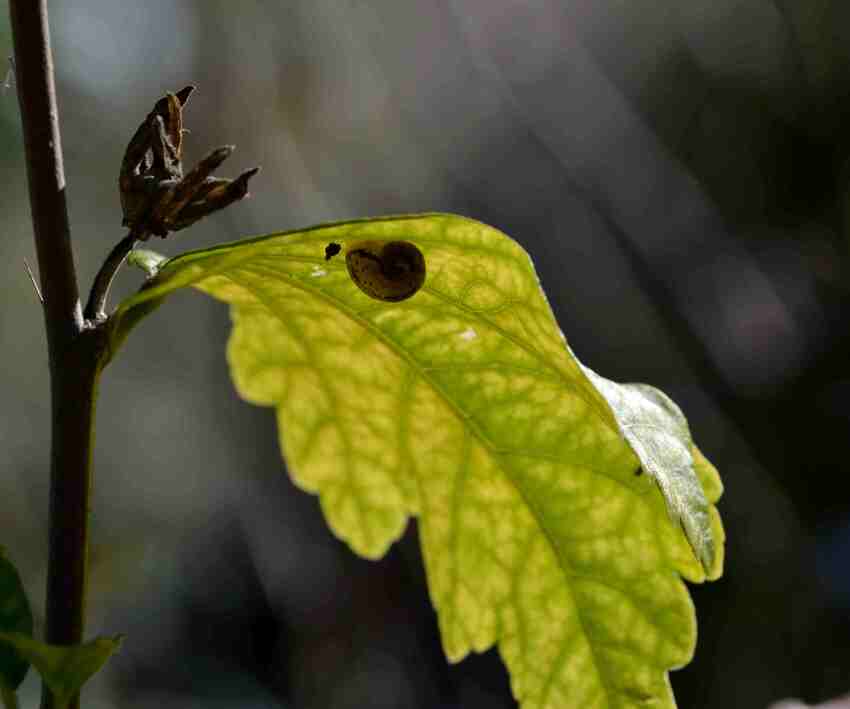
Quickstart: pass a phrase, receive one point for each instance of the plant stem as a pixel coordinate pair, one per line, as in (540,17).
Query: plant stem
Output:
(75,353)
(96,306)
(40,118)
(74,391)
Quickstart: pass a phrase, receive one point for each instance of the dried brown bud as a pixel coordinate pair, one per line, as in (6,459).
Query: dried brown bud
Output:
(155,196)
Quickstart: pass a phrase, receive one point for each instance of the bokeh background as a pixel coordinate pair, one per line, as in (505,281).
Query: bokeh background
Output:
(678,171)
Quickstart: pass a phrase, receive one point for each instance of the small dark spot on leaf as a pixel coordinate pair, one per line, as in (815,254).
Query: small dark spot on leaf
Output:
(332,250)
(639,471)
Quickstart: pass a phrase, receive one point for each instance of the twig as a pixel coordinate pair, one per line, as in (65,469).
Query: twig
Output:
(95,311)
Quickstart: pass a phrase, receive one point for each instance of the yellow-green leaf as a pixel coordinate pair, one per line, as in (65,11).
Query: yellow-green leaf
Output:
(64,668)
(464,407)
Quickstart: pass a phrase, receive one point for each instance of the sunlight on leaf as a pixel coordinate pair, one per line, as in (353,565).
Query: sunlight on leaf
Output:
(63,668)
(658,432)
(464,407)
(15,617)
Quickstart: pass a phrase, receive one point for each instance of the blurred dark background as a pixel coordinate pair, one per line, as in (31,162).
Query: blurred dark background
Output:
(679,173)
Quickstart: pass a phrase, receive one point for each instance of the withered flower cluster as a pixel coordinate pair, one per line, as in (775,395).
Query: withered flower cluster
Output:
(155,195)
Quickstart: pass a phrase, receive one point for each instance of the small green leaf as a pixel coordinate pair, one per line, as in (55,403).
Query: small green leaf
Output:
(464,407)
(149,261)
(63,668)
(15,617)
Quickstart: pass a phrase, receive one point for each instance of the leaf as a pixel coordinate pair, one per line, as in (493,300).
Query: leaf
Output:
(463,406)
(15,616)
(64,668)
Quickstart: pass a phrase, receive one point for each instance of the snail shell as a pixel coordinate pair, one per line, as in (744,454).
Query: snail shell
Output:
(386,270)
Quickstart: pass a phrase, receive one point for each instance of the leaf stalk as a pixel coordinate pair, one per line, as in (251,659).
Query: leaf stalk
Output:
(95,311)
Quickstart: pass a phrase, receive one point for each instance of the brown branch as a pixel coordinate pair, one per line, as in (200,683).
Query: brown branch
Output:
(74,353)
(40,118)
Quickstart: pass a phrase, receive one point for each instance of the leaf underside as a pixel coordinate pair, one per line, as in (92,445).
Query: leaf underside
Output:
(464,407)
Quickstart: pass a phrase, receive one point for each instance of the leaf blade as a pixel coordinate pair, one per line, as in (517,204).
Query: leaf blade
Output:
(464,406)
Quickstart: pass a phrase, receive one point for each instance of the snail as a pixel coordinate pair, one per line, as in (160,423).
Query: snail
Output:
(385,270)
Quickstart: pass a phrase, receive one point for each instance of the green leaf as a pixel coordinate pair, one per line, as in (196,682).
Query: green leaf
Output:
(15,617)
(64,668)
(149,261)
(464,407)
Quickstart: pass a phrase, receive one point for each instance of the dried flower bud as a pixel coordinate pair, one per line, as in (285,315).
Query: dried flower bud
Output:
(155,196)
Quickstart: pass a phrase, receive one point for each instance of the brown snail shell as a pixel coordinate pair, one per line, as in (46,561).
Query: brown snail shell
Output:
(386,270)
